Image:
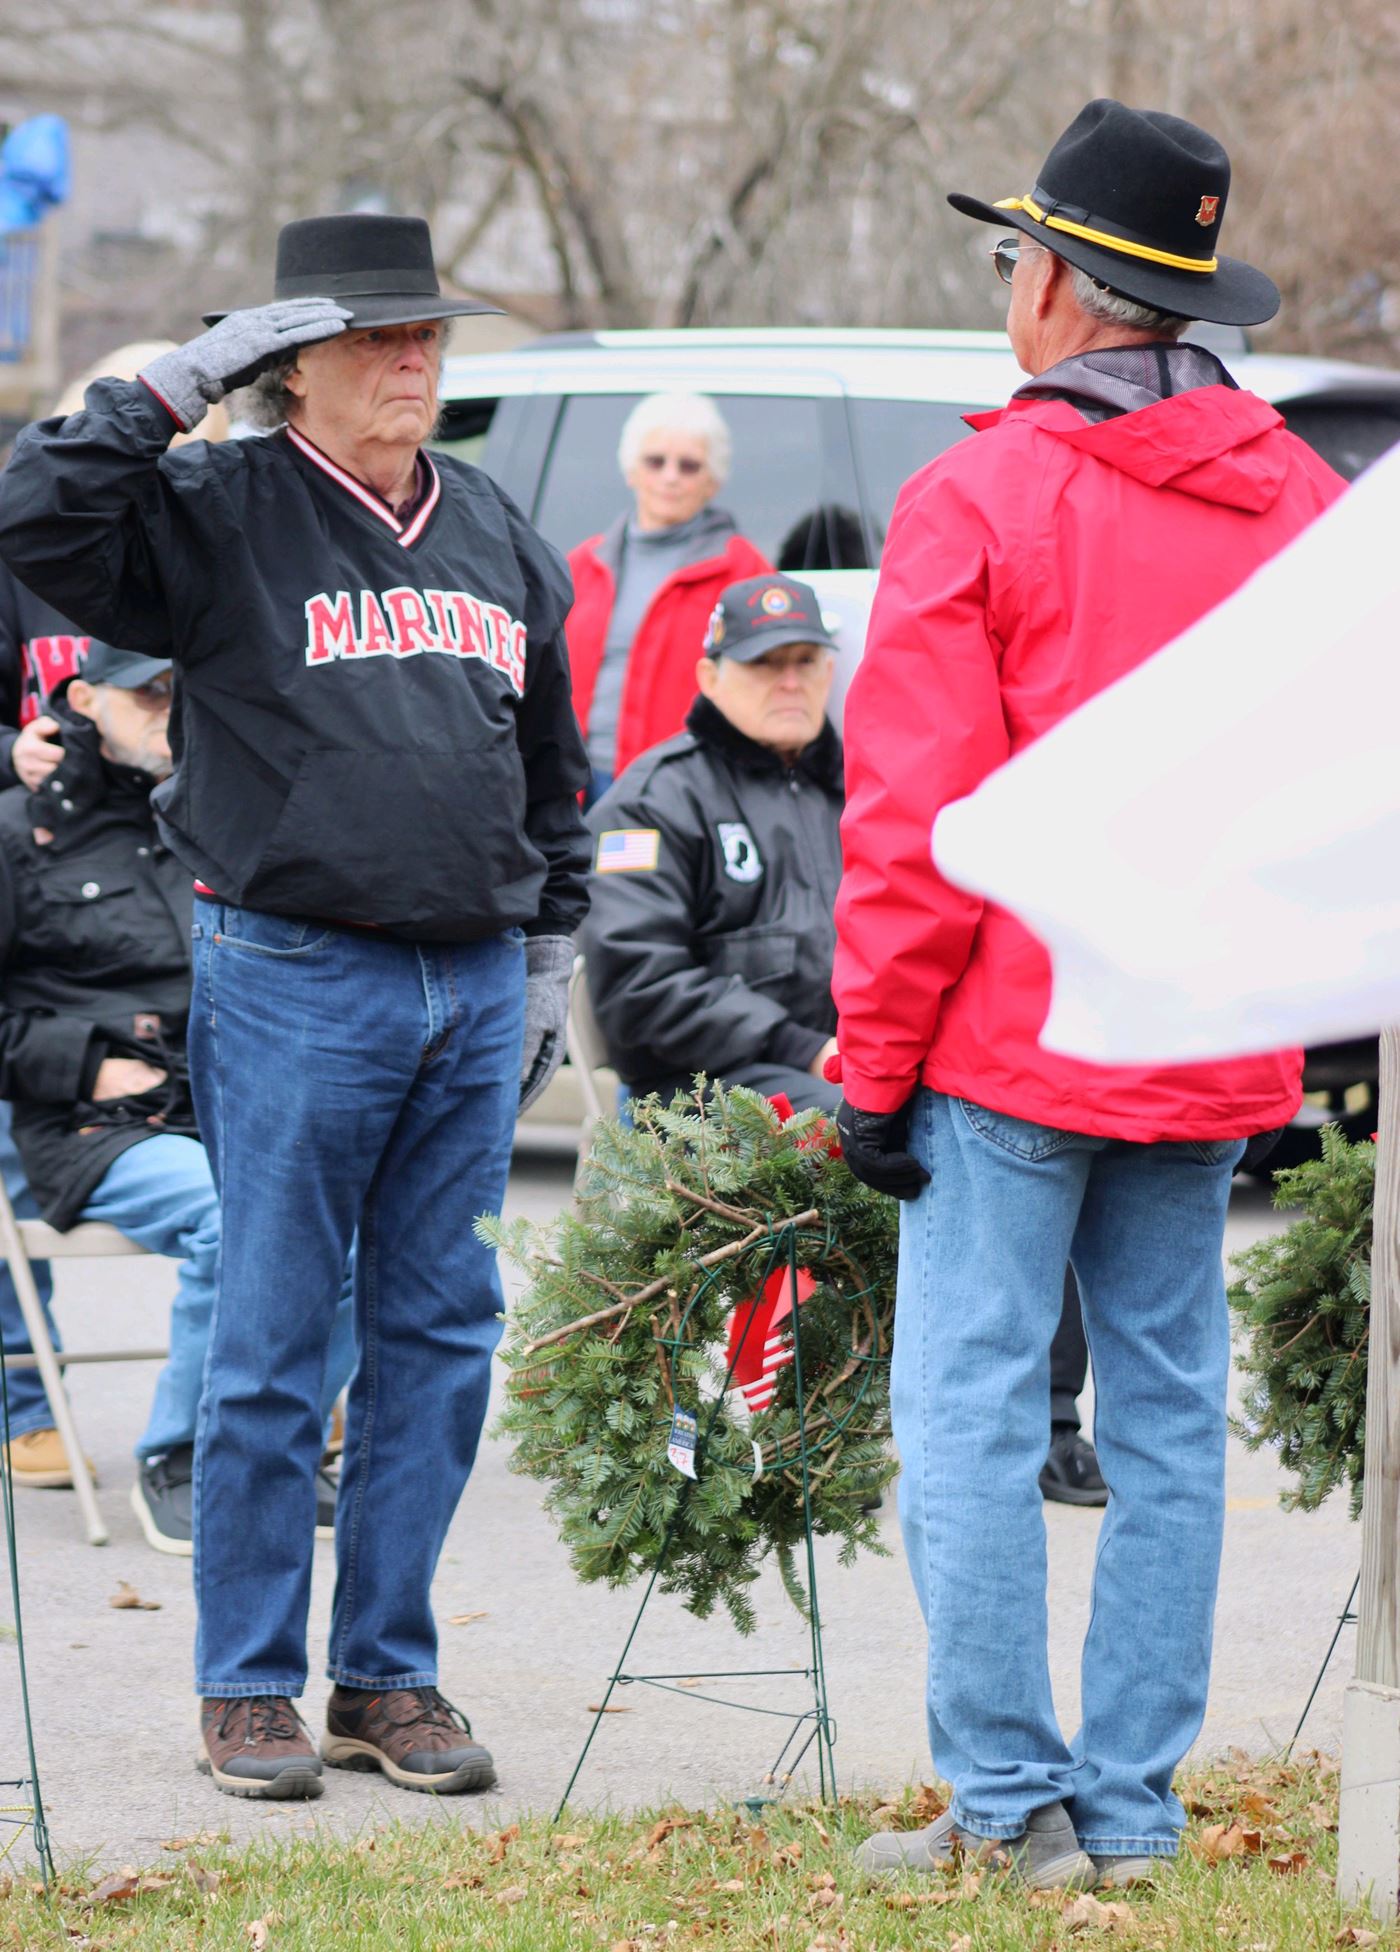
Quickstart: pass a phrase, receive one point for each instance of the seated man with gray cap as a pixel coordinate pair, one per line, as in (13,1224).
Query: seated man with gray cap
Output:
(717,857)
(94,998)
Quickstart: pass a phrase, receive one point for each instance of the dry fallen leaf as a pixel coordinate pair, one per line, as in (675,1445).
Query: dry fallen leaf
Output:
(112,1890)
(1088,1913)
(200,1840)
(1356,1935)
(1255,1804)
(501,1843)
(911,1900)
(512,1894)
(465,1619)
(626,1945)
(1219,1841)
(1286,1862)
(927,1806)
(257,1934)
(203,1881)
(611,1709)
(569,1843)
(127,1599)
(663,1829)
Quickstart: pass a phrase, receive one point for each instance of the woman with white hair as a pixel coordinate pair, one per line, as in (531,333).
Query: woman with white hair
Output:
(644,589)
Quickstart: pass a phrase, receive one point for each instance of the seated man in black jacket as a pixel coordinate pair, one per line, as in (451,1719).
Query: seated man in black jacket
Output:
(717,858)
(710,940)
(94,996)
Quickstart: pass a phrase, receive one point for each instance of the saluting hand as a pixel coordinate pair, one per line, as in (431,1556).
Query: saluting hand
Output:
(233,352)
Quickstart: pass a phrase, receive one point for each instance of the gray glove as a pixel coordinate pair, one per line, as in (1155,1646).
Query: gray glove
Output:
(233,352)
(549,962)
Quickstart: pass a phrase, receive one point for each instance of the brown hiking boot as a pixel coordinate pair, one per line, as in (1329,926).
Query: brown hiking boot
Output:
(258,1745)
(419,1740)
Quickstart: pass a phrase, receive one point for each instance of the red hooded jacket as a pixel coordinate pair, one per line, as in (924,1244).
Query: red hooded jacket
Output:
(660,681)
(1025,571)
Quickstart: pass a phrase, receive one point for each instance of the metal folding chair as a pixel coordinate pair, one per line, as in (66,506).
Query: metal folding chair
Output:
(22,1242)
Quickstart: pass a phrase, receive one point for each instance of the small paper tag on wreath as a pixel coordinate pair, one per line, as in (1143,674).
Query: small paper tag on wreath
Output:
(680,1446)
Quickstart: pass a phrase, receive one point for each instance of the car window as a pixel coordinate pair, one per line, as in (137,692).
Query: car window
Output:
(894,439)
(791,487)
(465,426)
(1348,436)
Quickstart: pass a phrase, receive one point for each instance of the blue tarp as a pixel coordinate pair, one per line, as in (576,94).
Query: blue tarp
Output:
(35,175)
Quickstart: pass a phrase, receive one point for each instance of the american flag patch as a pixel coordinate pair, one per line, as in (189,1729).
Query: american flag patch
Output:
(627,850)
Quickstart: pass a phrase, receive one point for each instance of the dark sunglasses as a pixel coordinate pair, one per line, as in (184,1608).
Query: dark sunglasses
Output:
(686,463)
(1006,254)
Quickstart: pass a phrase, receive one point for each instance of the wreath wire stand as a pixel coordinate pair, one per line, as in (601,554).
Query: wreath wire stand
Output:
(29,1814)
(812,1725)
(1346,1618)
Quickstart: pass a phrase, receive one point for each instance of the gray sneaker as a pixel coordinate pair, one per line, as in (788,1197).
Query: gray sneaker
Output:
(1046,1857)
(1121,1872)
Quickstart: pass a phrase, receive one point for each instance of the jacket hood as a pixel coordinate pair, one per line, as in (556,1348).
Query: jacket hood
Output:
(1217,443)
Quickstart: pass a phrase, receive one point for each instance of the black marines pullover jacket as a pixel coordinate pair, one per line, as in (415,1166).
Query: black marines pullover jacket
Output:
(372,720)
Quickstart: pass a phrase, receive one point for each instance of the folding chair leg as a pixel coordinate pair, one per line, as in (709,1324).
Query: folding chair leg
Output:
(12,1249)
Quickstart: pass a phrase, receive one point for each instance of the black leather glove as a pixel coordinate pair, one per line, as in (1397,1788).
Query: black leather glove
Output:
(875,1147)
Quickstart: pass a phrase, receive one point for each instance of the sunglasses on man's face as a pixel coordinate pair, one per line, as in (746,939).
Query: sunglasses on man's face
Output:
(1006,255)
(685,463)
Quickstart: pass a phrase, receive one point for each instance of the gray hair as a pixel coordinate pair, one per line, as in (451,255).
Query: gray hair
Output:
(680,413)
(1111,308)
(267,403)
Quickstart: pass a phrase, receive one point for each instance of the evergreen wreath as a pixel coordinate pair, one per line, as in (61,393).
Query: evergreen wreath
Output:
(627,1320)
(1303,1301)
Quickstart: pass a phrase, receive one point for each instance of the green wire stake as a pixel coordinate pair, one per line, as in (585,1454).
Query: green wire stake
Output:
(819,1716)
(7,1499)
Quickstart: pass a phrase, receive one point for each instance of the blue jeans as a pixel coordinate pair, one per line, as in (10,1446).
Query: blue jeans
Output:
(343,1081)
(982,1257)
(161,1193)
(29,1407)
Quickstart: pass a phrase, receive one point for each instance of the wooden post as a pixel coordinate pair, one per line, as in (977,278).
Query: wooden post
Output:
(1369,1844)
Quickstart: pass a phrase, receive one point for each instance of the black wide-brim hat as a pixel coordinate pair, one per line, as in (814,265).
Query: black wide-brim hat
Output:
(379,268)
(1137,199)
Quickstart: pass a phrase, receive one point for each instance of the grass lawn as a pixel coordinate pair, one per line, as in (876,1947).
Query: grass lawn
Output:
(1256,1874)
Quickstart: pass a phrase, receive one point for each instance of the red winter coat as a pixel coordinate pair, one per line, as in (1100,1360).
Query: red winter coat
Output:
(660,681)
(1025,571)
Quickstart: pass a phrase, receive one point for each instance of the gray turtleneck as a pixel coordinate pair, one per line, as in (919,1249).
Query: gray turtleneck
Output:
(641,561)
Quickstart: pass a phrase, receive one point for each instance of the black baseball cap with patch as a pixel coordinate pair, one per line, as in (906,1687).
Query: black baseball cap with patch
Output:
(104,664)
(763,613)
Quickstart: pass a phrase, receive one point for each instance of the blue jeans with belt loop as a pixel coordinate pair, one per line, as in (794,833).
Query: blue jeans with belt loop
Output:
(343,1080)
(981,1283)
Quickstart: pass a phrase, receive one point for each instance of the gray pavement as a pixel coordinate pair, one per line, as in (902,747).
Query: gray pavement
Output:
(115,1718)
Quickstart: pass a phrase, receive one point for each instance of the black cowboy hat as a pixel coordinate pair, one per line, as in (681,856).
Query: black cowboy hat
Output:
(379,268)
(1136,199)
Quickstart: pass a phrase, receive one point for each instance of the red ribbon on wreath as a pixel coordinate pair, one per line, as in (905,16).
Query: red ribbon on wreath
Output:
(760,1331)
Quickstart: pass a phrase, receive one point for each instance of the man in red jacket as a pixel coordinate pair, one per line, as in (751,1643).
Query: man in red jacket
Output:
(1127,489)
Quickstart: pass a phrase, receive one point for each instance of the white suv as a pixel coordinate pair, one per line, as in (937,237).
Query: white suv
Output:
(827,426)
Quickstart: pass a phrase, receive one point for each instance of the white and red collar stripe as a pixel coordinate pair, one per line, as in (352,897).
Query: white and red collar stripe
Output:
(366,496)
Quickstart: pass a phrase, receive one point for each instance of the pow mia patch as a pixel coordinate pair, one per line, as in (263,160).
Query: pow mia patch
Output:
(741,857)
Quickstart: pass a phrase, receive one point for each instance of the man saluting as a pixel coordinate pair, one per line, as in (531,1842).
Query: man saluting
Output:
(377,770)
